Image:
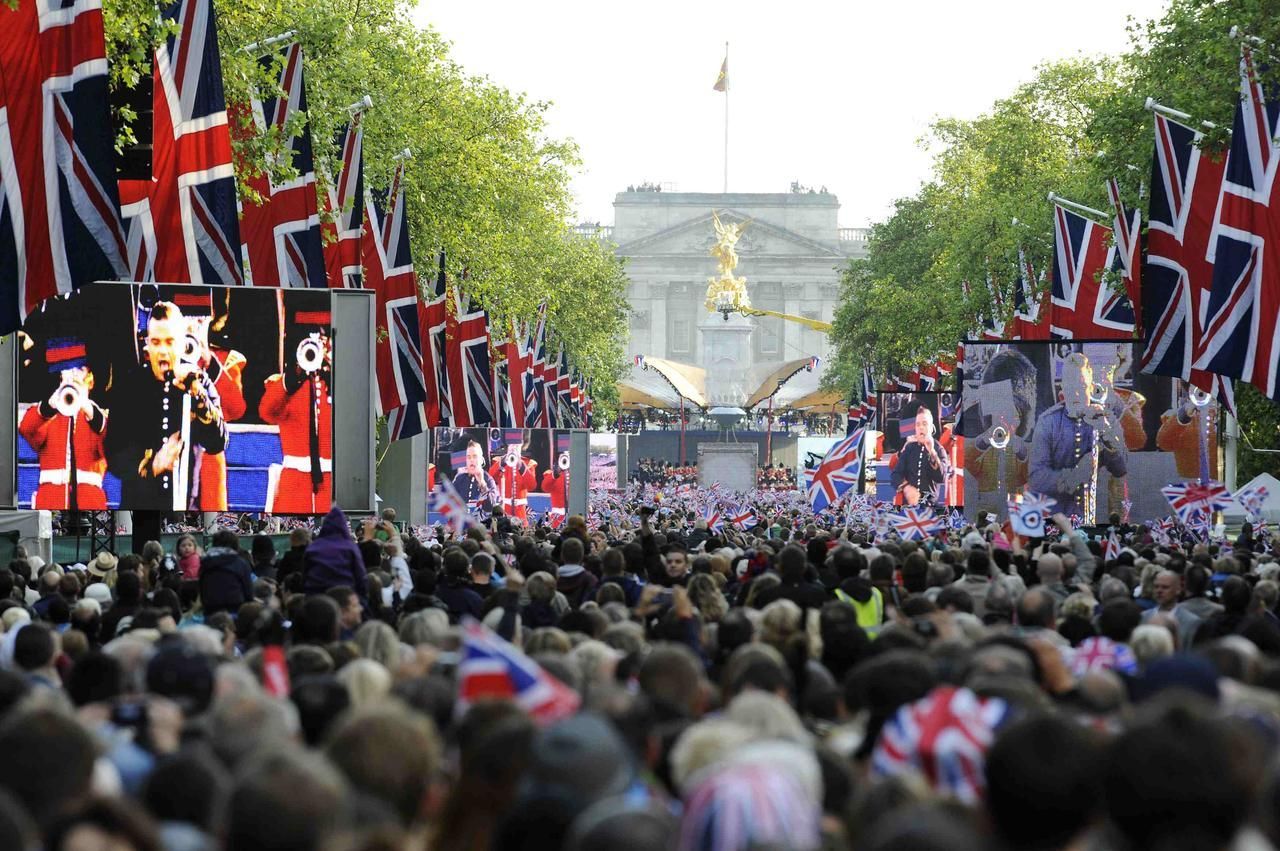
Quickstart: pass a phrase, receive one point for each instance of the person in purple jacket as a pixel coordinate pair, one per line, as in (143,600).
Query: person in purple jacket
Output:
(333,558)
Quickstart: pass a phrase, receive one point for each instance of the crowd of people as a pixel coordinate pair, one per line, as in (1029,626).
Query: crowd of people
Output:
(656,471)
(775,477)
(798,685)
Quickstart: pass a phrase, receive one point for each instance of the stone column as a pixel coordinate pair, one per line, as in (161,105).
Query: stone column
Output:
(726,354)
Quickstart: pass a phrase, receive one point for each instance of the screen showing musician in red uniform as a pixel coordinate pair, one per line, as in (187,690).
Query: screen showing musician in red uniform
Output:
(177,398)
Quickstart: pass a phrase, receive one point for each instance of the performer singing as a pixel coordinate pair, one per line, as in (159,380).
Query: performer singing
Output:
(66,431)
(923,464)
(1072,440)
(475,485)
(515,476)
(153,454)
(300,402)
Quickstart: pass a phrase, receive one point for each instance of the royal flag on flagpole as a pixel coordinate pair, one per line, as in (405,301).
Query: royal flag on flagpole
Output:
(60,224)
(722,79)
(493,669)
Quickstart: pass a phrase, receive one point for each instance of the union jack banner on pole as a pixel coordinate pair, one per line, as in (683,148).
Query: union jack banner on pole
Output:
(389,266)
(838,471)
(917,524)
(432,327)
(1178,278)
(535,352)
(1195,501)
(1084,306)
(281,227)
(1241,327)
(467,362)
(188,211)
(344,209)
(1126,232)
(1030,312)
(60,221)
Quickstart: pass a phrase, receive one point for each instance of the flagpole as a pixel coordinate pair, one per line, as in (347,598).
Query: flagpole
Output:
(726,123)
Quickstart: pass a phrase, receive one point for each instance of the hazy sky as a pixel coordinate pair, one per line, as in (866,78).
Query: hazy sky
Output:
(827,93)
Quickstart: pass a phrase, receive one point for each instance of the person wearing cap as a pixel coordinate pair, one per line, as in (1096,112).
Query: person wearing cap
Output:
(515,480)
(300,401)
(553,482)
(103,569)
(66,431)
(174,415)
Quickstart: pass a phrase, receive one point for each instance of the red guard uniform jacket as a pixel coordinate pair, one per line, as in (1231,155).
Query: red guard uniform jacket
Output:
(295,493)
(48,432)
(514,487)
(553,482)
(213,466)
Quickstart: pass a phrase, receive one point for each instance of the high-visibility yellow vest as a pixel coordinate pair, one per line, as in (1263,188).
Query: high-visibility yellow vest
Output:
(870,615)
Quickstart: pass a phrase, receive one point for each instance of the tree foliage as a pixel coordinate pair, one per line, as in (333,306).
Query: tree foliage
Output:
(1075,124)
(485,183)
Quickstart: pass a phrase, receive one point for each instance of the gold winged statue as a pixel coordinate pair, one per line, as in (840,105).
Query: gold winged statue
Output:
(726,287)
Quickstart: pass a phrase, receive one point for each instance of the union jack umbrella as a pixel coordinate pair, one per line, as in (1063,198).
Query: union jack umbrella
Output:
(183,225)
(1083,306)
(917,524)
(1240,330)
(1192,501)
(1178,278)
(838,471)
(281,227)
(60,221)
(943,737)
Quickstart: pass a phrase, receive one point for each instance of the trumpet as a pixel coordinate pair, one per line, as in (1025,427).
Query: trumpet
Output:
(999,437)
(563,461)
(310,353)
(68,399)
(511,459)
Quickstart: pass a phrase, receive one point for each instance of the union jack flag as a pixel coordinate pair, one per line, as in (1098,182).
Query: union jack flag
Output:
(1178,278)
(1030,313)
(714,521)
(1240,330)
(869,397)
(493,669)
(449,506)
(1111,549)
(743,518)
(993,320)
(838,472)
(1195,501)
(928,377)
(60,221)
(281,232)
(564,388)
(944,737)
(917,524)
(516,358)
(389,266)
(1126,231)
(1252,499)
(344,218)
(502,395)
(183,226)
(432,327)
(1084,307)
(534,354)
(467,362)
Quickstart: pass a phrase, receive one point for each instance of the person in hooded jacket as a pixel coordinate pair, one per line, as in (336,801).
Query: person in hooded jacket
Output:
(226,580)
(573,580)
(333,559)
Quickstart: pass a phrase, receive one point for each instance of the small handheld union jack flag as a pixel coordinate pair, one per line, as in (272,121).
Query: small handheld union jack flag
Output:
(916,524)
(451,508)
(1194,502)
(714,521)
(743,518)
(492,668)
(1251,499)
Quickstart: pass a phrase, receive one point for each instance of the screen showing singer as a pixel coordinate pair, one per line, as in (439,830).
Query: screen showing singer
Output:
(923,467)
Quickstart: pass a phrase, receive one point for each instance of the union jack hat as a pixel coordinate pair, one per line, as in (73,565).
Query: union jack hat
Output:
(944,737)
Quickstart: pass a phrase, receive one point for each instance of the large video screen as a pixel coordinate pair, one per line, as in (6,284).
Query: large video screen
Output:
(522,472)
(920,447)
(1078,423)
(177,398)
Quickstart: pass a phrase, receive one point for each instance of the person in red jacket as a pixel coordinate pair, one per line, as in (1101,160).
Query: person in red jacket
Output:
(66,431)
(300,402)
(516,476)
(554,482)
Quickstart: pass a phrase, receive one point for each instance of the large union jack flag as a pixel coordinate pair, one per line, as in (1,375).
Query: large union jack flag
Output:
(1084,306)
(432,327)
(344,208)
(1244,305)
(535,353)
(1177,280)
(281,227)
(60,221)
(838,471)
(467,362)
(493,669)
(389,267)
(1030,312)
(188,213)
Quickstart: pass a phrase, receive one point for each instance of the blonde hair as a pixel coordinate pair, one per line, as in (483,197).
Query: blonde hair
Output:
(366,681)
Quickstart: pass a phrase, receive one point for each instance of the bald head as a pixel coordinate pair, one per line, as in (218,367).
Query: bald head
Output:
(1036,609)
(1049,569)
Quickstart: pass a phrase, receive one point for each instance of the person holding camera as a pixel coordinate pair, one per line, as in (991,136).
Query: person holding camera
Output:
(300,401)
(66,431)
